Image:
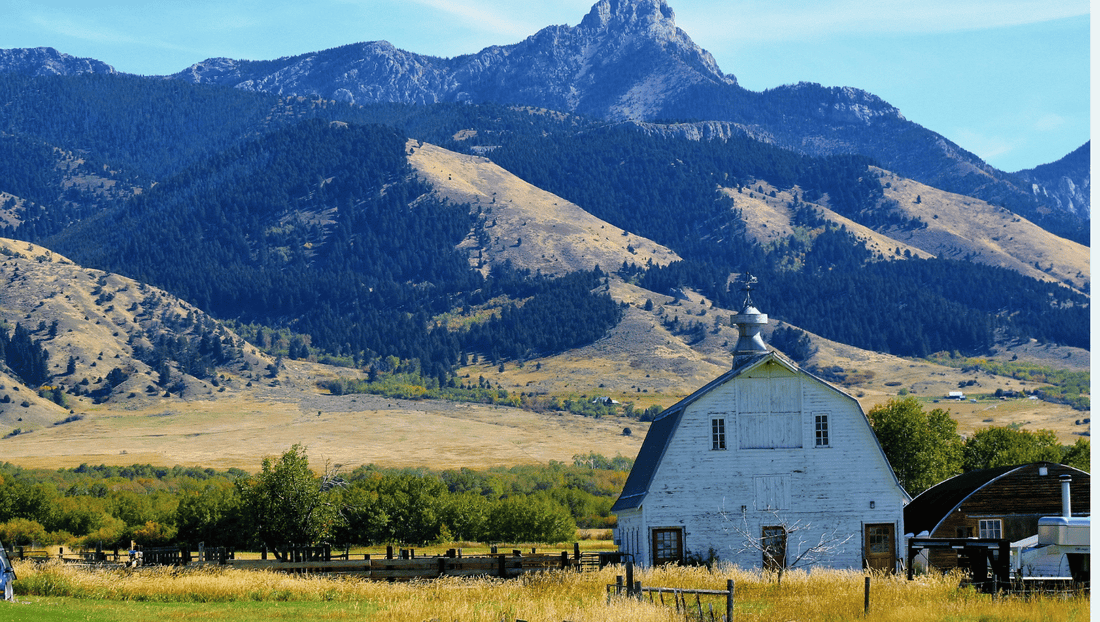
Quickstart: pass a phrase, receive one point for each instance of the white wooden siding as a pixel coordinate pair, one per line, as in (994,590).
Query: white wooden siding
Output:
(831,487)
(773,492)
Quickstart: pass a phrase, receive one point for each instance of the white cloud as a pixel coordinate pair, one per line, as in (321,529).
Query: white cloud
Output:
(487,17)
(66,27)
(984,146)
(758,20)
(1050,122)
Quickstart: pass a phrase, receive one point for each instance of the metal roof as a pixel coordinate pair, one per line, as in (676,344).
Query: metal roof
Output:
(931,507)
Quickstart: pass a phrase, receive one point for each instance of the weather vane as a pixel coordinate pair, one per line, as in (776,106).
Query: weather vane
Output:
(747,281)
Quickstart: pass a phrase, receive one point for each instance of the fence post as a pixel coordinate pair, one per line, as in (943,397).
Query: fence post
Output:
(729,600)
(576,550)
(389,551)
(618,585)
(502,566)
(866,595)
(564,560)
(630,575)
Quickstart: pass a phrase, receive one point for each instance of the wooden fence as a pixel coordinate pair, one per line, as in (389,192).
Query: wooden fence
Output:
(408,567)
(394,565)
(680,598)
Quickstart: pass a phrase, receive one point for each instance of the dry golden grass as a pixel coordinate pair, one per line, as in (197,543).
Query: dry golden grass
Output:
(959,226)
(768,220)
(556,596)
(526,225)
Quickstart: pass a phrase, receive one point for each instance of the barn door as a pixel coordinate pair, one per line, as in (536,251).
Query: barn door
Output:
(774,541)
(879,551)
(668,546)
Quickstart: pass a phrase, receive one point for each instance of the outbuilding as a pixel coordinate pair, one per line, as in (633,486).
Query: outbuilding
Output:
(1003,503)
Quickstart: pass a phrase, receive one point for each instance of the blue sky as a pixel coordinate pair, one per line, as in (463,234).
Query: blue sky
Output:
(1008,80)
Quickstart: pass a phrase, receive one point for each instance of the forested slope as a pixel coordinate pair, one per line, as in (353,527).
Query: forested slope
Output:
(303,212)
(323,227)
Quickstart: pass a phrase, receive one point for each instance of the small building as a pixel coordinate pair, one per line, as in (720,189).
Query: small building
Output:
(1003,503)
(760,466)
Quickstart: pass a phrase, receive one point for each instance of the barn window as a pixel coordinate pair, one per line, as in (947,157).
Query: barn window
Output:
(668,546)
(717,434)
(990,528)
(821,430)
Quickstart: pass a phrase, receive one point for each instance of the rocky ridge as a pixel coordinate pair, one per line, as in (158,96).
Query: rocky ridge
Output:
(46,61)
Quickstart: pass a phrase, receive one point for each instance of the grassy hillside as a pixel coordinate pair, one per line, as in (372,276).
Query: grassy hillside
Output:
(243,412)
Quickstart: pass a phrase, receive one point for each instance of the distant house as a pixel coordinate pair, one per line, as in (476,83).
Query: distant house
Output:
(766,452)
(1001,503)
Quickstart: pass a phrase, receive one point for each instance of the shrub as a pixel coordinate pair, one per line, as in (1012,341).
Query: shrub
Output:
(21,531)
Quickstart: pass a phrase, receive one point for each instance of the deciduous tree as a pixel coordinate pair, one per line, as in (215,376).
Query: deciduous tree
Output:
(288,503)
(995,447)
(923,448)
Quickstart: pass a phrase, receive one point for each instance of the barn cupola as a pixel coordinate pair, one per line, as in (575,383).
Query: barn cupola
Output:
(749,323)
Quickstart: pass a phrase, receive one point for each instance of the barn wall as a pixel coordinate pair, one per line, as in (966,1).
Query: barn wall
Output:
(830,488)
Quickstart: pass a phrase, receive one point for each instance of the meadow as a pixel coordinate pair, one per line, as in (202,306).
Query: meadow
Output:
(54,591)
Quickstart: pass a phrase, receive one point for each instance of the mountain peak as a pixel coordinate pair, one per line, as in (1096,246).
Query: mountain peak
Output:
(629,14)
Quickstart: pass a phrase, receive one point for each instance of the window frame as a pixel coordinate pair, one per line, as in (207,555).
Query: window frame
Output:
(821,430)
(718,434)
(991,528)
(668,545)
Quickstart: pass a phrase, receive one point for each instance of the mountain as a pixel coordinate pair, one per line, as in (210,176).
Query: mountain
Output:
(415,236)
(1066,183)
(48,62)
(628,61)
(625,60)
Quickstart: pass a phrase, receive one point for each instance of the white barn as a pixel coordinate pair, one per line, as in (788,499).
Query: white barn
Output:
(757,467)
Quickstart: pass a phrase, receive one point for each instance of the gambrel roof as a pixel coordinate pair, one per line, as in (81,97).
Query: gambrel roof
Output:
(664,427)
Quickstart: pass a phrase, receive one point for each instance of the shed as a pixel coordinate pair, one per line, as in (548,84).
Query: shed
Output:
(1000,503)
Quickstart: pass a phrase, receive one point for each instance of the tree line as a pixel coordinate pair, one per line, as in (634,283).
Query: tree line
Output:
(925,448)
(287,502)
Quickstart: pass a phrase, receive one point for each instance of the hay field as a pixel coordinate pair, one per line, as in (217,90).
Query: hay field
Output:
(155,594)
(352,430)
